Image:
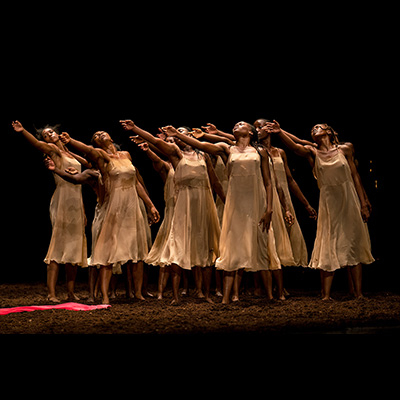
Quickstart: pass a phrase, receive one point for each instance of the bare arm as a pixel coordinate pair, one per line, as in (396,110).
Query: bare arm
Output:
(299,141)
(38,144)
(305,151)
(215,182)
(348,151)
(90,152)
(294,187)
(217,149)
(88,176)
(212,138)
(152,212)
(266,175)
(166,148)
(212,129)
(159,165)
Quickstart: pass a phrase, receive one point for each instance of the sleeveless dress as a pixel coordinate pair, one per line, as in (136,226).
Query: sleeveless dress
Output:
(67,215)
(298,244)
(220,171)
(193,239)
(243,244)
(282,240)
(98,215)
(163,232)
(121,228)
(342,237)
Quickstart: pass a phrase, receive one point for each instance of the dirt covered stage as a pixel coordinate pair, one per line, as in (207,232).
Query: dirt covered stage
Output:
(302,312)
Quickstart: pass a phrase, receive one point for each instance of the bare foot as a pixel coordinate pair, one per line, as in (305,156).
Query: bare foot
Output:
(54,299)
(200,295)
(139,297)
(73,297)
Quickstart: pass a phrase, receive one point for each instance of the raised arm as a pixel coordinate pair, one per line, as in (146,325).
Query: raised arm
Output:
(216,149)
(159,165)
(212,129)
(169,149)
(211,138)
(90,152)
(305,151)
(38,144)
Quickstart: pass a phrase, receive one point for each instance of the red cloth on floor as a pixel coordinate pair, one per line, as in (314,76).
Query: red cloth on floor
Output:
(63,306)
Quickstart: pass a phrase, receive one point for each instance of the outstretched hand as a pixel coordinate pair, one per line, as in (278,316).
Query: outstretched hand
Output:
(137,139)
(272,127)
(127,124)
(210,128)
(65,138)
(170,130)
(17,126)
(197,133)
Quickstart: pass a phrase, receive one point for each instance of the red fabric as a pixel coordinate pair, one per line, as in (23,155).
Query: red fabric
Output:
(64,306)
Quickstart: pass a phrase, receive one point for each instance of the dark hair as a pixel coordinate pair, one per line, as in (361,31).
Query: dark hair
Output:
(254,136)
(39,131)
(95,145)
(263,119)
(334,135)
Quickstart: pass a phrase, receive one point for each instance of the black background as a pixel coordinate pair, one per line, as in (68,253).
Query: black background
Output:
(89,75)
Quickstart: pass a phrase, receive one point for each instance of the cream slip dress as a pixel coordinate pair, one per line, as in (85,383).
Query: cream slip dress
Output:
(121,232)
(342,237)
(243,244)
(67,215)
(193,239)
(161,240)
(298,244)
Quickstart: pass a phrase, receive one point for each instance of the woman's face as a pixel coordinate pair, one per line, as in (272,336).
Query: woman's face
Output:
(100,138)
(241,129)
(320,130)
(50,136)
(179,142)
(262,134)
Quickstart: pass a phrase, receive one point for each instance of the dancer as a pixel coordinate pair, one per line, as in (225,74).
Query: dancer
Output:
(286,181)
(193,240)
(92,177)
(342,237)
(247,240)
(68,240)
(121,236)
(166,172)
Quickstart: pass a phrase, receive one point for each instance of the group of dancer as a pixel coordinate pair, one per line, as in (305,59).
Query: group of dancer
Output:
(228,209)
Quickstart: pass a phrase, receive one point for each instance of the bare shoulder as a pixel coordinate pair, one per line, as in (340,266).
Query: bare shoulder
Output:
(347,149)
